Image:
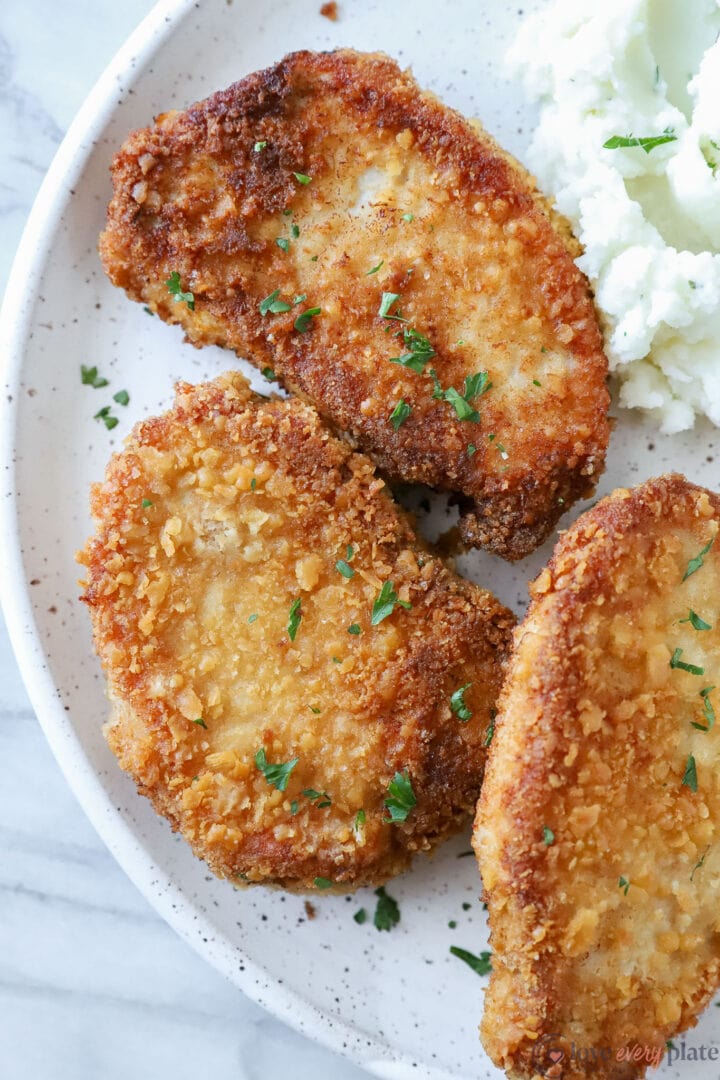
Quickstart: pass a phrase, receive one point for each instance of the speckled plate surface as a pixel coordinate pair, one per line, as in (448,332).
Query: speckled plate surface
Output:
(397,1003)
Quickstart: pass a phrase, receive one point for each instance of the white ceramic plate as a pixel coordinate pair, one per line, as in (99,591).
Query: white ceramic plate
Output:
(397,1003)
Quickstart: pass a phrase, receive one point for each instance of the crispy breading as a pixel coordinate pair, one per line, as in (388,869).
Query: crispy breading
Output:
(216,523)
(600,853)
(333,178)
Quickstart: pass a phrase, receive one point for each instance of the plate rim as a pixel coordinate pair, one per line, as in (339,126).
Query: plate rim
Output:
(16,312)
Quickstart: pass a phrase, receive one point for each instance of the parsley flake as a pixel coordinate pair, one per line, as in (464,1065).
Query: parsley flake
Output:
(481,964)
(354,628)
(302,323)
(252,618)
(349,552)
(175,289)
(408,217)
(708,710)
(400,413)
(283,243)
(360,916)
(387,301)
(323,883)
(697,622)
(89,377)
(259,146)
(375,268)
(302,178)
(419,351)
(697,562)
(548,836)
(624,884)
(122,397)
(201,723)
(700,863)
(294,807)
(320,798)
(472,449)
(295,230)
(462,408)
(146,504)
(360,818)
(342,568)
(457,703)
(402,797)
(690,775)
(385,604)
(277,775)
(647,143)
(314,709)
(294,618)
(536,382)
(107,418)
(272,305)
(387,912)
(269,374)
(676,662)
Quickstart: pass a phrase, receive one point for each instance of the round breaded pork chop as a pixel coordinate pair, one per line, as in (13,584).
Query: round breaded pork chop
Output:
(598,828)
(281,651)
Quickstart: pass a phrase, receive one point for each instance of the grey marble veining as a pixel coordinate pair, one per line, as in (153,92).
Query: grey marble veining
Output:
(93,985)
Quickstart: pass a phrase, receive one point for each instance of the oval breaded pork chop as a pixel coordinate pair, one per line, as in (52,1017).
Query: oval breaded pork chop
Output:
(330,183)
(598,828)
(279,646)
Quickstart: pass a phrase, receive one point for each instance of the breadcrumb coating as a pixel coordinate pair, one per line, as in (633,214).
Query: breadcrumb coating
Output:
(329,181)
(598,827)
(239,555)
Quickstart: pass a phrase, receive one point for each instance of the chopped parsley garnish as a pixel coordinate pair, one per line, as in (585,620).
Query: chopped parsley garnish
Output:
(175,289)
(283,243)
(401,797)
(624,884)
(299,299)
(294,807)
(302,178)
(302,323)
(277,775)
(490,731)
(387,301)
(253,483)
(690,775)
(360,916)
(354,628)
(342,568)
(708,710)
(408,217)
(295,230)
(90,377)
(108,420)
(476,385)
(400,413)
(548,836)
(122,397)
(294,618)
(676,662)
(697,622)
(466,906)
(471,450)
(462,407)
(272,305)
(269,374)
(536,382)
(349,552)
(320,798)
(481,964)
(700,863)
(385,604)
(387,912)
(336,660)
(697,562)
(457,703)
(148,311)
(375,268)
(359,820)
(647,142)
(452,924)
(201,723)
(146,504)
(419,350)
(252,618)
(259,146)
(314,709)
(323,883)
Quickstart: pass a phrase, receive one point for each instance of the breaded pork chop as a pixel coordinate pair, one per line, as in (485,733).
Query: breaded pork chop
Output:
(281,651)
(598,828)
(324,217)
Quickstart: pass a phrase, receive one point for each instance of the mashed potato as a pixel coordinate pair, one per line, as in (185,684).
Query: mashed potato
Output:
(648,215)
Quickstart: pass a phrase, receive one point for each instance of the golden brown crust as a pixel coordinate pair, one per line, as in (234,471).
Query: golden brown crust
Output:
(607,937)
(211,522)
(480,270)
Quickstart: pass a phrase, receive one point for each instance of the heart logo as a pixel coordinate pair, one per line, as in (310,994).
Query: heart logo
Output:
(556,1055)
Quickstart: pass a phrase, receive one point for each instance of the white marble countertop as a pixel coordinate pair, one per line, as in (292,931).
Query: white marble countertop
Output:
(93,985)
